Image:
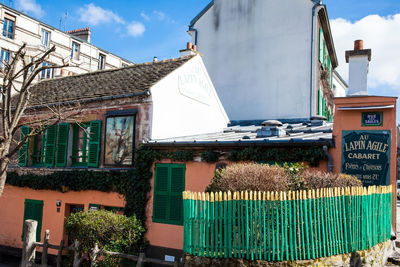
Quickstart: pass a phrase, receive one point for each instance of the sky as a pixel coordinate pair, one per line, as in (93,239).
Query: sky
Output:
(138,30)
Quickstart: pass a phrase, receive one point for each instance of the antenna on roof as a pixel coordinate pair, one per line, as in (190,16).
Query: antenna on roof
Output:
(60,23)
(65,20)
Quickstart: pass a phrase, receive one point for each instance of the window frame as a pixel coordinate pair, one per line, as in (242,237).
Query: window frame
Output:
(46,73)
(102,62)
(42,155)
(85,140)
(78,46)
(42,38)
(120,113)
(7,54)
(6,26)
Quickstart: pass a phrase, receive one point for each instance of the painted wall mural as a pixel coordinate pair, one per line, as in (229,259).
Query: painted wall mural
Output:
(119,140)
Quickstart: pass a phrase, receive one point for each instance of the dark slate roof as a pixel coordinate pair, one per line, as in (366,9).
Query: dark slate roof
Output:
(116,82)
(316,133)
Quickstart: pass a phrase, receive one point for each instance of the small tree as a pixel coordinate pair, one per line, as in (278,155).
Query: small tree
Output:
(17,93)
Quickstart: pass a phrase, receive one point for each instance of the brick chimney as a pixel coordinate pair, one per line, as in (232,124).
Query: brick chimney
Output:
(83,34)
(358,60)
(191,49)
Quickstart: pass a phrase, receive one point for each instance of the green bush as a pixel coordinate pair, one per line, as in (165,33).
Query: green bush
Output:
(108,230)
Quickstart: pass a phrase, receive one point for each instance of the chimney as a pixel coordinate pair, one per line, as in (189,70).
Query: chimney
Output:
(358,60)
(191,49)
(155,59)
(83,34)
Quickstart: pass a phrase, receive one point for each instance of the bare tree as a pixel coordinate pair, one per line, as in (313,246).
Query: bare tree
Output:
(17,96)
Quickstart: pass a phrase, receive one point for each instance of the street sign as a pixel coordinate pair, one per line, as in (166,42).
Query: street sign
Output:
(372,119)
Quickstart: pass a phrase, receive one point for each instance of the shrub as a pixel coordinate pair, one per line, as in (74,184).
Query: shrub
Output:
(319,179)
(106,229)
(250,176)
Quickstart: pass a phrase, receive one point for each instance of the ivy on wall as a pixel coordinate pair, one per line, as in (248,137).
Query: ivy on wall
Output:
(134,184)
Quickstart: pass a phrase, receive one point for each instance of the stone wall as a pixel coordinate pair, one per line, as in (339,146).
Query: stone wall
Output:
(375,256)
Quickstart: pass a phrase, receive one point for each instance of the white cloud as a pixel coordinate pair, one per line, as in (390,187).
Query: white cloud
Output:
(382,35)
(135,28)
(30,6)
(159,15)
(95,15)
(145,16)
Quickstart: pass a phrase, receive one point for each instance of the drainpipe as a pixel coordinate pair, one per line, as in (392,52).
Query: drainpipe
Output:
(195,34)
(317,6)
(330,159)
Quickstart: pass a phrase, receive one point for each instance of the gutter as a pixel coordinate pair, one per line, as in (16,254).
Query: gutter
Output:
(90,100)
(264,143)
(195,34)
(317,5)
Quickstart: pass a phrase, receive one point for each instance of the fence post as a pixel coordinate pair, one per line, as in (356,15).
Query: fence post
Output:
(28,249)
(59,255)
(140,260)
(45,244)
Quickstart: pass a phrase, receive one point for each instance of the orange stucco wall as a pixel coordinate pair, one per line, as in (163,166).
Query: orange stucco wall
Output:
(12,211)
(351,120)
(197,177)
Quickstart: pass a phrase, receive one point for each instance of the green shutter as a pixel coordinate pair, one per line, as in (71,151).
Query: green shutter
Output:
(161,201)
(33,211)
(50,146)
(177,186)
(321,46)
(94,144)
(323,107)
(319,102)
(23,151)
(168,187)
(62,145)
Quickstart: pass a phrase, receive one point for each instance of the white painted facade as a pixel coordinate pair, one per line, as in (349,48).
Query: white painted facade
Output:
(185,103)
(339,85)
(262,56)
(29,30)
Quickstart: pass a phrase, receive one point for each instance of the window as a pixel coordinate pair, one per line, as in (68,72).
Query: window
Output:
(124,65)
(5,58)
(46,73)
(321,46)
(86,144)
(75,50)
(45,39)
(33,211)
(119,141)
(102,62)
(9,26)
(44,147)
(168,187)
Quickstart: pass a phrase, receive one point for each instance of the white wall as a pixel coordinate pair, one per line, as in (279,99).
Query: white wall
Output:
(258,56)
(339,88)
(186,103)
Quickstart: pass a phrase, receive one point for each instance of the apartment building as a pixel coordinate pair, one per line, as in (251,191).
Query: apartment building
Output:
(72,46)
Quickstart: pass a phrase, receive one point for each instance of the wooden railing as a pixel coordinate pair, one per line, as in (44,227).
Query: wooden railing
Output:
(277,226)
(30,245)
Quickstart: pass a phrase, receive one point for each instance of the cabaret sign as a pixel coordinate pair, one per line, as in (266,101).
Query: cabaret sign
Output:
(366,155)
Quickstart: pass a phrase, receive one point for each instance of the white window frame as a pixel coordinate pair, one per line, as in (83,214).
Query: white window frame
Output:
(43,41)
(47,73)
(78,45)
(102,62)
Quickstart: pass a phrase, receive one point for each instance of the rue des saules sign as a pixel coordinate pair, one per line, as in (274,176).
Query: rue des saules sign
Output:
(366,155)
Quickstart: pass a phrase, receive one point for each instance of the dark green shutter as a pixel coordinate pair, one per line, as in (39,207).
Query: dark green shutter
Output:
(177,186)
(23,151)
(50,146)
(168,187)
(62,145)
(33,211)
(160,202)
(321,46)
(94,144)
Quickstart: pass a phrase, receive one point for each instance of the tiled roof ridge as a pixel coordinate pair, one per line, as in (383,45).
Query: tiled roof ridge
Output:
(119,69)
(79,30)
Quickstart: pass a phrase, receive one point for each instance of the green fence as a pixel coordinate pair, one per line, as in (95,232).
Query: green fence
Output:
(277,226)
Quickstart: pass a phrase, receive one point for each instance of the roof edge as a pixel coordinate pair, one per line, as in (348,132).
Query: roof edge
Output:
(326,27)
(201,13)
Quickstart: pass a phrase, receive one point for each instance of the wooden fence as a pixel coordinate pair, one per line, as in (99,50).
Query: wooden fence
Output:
(278,226)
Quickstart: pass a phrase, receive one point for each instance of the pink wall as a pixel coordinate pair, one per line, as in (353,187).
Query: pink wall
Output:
(12,211)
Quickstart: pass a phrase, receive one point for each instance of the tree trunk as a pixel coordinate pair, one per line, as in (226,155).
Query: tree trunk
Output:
(3,173)
(28,249)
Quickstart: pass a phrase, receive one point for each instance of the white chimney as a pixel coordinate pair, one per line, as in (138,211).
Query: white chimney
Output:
(191,49)
(358,60)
